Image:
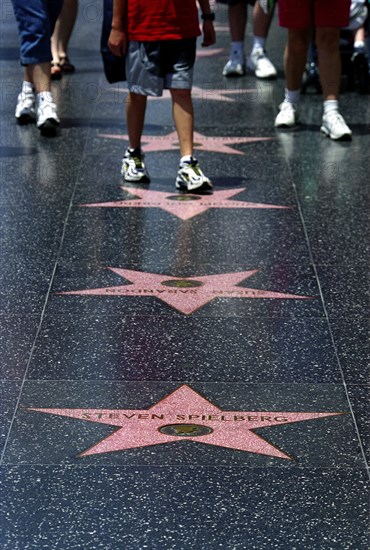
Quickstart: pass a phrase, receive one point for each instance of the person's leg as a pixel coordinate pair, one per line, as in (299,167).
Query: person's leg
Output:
(63,31)
(327,42)
(133,166)
(183,116)
(135,116)
(39,75)
(35,25)
(258,62)
(189,176)
(237,16)
(295,57)
(261,21)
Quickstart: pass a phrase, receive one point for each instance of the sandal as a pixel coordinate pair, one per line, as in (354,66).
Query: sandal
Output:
(55,71)
(66,65)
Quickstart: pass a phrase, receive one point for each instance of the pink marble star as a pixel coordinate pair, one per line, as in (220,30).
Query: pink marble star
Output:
(205,93)
(201,142)
(184,206)
(184,294)
(209,52)
(185,415)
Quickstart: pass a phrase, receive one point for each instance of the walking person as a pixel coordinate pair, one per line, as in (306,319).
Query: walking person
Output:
(60,39)
(258,61)
(159,40)
(36,20)
(327,18)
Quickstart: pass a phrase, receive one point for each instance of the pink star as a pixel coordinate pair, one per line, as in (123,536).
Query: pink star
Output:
(185,415)
(209,52)
(184,206)
(201,142)
(184,294)
(205,93)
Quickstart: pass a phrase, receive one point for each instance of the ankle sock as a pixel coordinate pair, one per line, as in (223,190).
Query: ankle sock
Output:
(27,87)
(186,158)
(237,50)
(330,106)
(258,43)
(292,96)
(359,46)
(45,97)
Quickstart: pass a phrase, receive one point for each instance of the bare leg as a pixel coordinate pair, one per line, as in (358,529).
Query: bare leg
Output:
(183,116)
(237,21)
(63,29)
(39,76)
(295,56)
(135,115)
(327,41)
(261,21)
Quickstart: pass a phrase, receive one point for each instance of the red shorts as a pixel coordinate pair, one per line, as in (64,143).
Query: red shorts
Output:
(301,14)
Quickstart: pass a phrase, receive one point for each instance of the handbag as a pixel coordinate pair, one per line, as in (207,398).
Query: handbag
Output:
(114,66)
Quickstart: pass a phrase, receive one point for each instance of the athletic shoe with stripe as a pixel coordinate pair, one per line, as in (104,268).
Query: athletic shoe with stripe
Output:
(25,110)
(191,178)
(133,166)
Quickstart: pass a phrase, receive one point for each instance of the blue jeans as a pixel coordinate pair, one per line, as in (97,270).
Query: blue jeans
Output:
(36,20)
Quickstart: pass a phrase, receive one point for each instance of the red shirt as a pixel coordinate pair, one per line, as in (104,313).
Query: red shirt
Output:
(162,19)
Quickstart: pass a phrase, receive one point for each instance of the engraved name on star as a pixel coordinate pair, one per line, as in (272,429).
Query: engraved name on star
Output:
(185,415)
(170,142)
(184,206)
(186,294)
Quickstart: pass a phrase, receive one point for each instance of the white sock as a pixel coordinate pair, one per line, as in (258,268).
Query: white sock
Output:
(45,96)
(258,43)
(359,46)
(186,158)
(237,50)
(330,106)
(27,87)
(292,96)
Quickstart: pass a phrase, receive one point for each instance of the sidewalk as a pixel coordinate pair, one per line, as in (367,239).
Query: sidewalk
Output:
(183,372)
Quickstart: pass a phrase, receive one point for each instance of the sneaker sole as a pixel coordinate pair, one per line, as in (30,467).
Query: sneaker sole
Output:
(49,127)
(286,126)
(233,74)
(183,186)
(144,179)
(252,70)
(268,77)
(48,124)
(25,119)
(344,137)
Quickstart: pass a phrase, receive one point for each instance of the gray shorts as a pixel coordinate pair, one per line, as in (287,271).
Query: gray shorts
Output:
(153,66)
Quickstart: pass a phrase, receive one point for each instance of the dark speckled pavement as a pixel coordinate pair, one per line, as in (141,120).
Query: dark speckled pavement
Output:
(183,372)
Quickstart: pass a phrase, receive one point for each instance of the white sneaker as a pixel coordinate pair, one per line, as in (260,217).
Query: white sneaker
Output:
(333,125)
(191,178)
(259,63)
(47,116)
(234,67)
(25,110)
(133,167)
(287,117)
